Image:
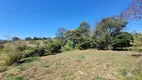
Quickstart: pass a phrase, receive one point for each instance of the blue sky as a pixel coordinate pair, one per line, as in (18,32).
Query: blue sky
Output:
(40,18)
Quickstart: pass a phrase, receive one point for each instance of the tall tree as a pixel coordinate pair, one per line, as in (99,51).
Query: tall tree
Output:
(72,37)
(84,28)
(106,29)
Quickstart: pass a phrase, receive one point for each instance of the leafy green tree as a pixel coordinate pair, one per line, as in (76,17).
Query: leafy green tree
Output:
(72,37)
(15,38)
(79,38)
(84,28)
(107,29)
(122,40)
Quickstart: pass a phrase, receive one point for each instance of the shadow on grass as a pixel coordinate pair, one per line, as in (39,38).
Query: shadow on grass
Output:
(28,60)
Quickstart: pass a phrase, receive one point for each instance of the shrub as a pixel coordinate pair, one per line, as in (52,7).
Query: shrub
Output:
(66,48)
(16,45)
(1,46)
(84,45)
(54,47)
(14,53)
(11,57)
(32,52)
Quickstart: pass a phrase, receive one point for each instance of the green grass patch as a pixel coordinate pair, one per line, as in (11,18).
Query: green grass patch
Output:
(18,78)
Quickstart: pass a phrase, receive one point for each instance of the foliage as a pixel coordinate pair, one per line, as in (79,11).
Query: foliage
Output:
(107,29)
(14,53)
(86,42)
(16,45)
(84,28)
(66,48)
(122,40)
(137,42)
(77,38)
(28,38)
(1,46)
(54,47)
(11,57)
(15,38)
(72,37)
(32,52)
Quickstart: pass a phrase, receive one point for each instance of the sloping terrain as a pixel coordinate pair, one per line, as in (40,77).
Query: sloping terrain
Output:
(74,65)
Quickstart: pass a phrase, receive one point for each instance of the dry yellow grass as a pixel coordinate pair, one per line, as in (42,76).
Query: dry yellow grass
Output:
(76,65)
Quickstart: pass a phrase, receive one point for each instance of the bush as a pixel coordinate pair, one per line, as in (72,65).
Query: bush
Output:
(1,46)
(13,54)
(32,52)
(101,45)
(66,48)
(54,47)
(16,45)
(84,45)
(11,57)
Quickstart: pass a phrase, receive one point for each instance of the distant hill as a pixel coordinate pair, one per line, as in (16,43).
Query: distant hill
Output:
(2,40)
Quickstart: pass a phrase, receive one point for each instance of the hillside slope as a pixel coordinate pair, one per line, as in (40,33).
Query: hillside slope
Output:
(74,65)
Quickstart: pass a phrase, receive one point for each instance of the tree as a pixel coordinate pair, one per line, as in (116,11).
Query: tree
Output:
(79,38)
(44,38)
(28,38)
(72,37)
(106,29)
(15,38)
(36,38)
(122,40)
(84,28)
(60,34)
(134,11)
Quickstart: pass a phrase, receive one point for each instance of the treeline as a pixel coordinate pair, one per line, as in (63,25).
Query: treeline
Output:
(107,34)
(31,38)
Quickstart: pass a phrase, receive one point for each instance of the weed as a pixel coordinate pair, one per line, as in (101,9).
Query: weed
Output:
(18,78)
(97,78)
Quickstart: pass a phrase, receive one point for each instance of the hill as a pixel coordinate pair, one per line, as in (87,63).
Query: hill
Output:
(74,65)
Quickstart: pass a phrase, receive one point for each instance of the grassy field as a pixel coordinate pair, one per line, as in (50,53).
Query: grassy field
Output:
(74,65)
